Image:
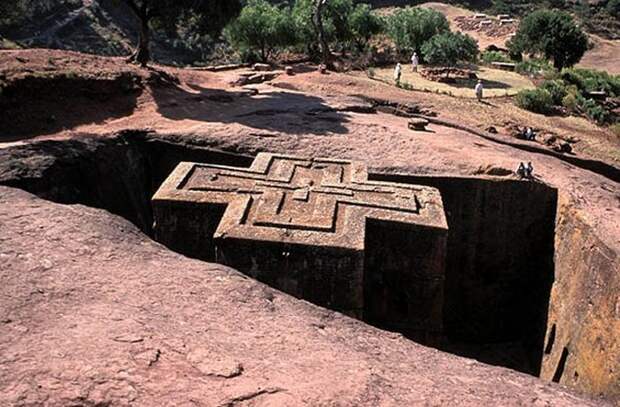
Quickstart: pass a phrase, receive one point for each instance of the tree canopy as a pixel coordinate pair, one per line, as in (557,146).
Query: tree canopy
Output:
(10,11)
(210,16)
(553,34)
(261,27)
(411,27)
(363,24)
(448,48)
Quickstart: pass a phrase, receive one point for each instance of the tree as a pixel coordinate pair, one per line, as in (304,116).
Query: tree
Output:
(212,16)
(261,26)
(318,23)
(11,11)
(363,24)
(553,34)
(447,49)
(411,27)
(338,13)
(613,8)
(302,16)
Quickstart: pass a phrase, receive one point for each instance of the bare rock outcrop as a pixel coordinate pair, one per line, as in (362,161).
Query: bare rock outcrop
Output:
(94,313)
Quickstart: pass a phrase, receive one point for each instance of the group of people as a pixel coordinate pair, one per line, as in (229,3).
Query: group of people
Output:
(415,62)
(525,171)
(398,71)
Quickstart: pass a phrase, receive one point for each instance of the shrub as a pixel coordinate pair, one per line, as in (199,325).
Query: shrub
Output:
(593,110)
(535,100)
(448,48)
(588,80)
(261,28)
(557,89)
(551,33)
(411,27)
(489,57)
(570,102)
(535,67)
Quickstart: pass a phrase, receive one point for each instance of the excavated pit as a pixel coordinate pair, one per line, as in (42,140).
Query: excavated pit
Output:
(500,267)
(500,256)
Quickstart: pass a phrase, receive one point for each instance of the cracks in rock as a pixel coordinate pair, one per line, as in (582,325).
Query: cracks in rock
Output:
(249,396)
(266,112)
(236,372)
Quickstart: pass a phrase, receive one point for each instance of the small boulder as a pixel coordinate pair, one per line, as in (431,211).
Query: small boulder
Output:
(261,67)
(418,124)
(562,147)
(548,139)
(289,70)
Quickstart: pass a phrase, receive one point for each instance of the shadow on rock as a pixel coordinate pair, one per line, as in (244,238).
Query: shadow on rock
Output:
(47,103)
(276,111)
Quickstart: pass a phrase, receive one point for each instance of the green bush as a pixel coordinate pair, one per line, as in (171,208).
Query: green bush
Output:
(570,102)
(589,80)
(411,27)
(535,100)
(534,67)
(593,110)
(448,48)
(557,89)
(489,57)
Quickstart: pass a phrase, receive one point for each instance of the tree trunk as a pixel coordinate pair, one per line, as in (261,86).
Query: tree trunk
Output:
(318,16)
(143,54)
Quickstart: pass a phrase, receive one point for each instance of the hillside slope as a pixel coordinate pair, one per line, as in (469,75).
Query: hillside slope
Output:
(102,27)
(107,27)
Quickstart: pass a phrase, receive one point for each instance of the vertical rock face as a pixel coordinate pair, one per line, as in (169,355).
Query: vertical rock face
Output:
(582,347)
(317,229)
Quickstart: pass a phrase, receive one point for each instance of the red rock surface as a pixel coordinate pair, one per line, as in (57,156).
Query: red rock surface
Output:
(315,115)
(94,313)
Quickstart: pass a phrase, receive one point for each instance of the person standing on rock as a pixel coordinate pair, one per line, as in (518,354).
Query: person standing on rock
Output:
(397,73)
(415,61)
(529,170)
(521,170)
(479,90)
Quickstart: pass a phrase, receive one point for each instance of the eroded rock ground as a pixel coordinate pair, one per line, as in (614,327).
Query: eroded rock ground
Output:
(95,312)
